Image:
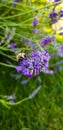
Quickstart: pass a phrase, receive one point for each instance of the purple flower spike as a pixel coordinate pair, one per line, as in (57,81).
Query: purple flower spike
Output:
(24,40)
(8,37)
(18,69)
(49,72)
(34,64)
(62,48)
(56,0)
(53,15)
(61,13)
(11,102)
(35,22)
(13,96)
(59,68)
(32,95)
(23,82)
(36,31)
(47,40)
(12,46)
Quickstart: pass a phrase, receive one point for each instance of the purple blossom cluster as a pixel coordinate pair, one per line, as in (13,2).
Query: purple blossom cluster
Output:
(56,0)
(46,40)
(12,46)
(61,13)
(35,22)
(24,40)
(55,15)
(37,61)
(10,98)
(9,34)
(43,41)
(36,31)
(34,64)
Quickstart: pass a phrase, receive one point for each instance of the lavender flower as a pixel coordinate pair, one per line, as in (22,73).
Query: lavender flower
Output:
(49,72)
(56,0)
(24,40)
(34,64)
(32,46)
(62,48)
(35,22)
(12,46)
(35,92)
(46,40)
(53,15)
(11,102)
(11,97)
(23,82)
(10,35)
(61,13)
(59,68)
(36,31)
(18,69)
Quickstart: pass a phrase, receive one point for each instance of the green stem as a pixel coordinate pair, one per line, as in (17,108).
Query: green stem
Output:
(6,55)
(47,6)
(7,65)
(4,103)
(19,102)
(6,49)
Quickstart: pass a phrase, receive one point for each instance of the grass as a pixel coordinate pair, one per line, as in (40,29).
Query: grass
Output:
(43,112)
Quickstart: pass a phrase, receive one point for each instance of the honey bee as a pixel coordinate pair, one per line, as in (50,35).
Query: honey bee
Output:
(21,56)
